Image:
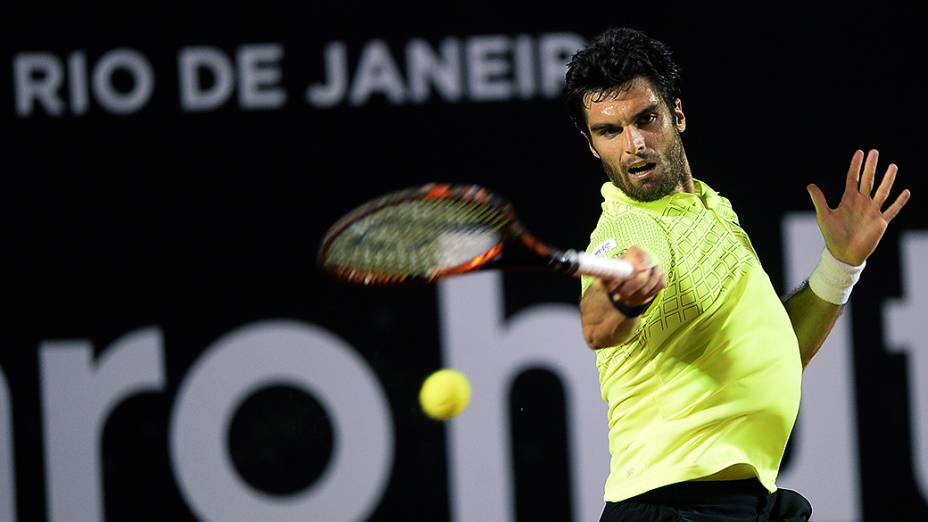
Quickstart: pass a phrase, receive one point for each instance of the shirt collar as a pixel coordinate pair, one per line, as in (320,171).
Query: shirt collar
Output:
(703,196)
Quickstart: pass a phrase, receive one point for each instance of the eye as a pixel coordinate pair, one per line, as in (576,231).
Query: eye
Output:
(645,119)
(609,132)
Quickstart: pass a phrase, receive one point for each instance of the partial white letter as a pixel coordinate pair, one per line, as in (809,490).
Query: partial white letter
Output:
(7,467)
(336,69)
(193,97)
(258,74)
(78,395)
(293,354)
(556,49)
(43,89)
(488,68)
(377,72)
(526,83)
(427,69)
(905,323)
(143,81)
(492,353)
(77,81)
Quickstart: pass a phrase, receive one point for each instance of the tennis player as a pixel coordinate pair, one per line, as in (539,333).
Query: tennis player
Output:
(699,360)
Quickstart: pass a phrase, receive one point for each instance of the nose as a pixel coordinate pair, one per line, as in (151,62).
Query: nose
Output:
(634,140)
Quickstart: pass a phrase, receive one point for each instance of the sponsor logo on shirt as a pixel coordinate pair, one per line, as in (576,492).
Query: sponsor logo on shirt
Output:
(604,247)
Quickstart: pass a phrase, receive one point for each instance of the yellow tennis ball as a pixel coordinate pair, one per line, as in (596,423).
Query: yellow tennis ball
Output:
(444,394)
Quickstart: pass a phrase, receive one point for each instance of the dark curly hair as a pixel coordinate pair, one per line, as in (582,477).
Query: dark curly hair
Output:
(613,59)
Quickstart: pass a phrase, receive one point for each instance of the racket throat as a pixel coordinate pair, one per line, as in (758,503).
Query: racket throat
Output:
(524,252)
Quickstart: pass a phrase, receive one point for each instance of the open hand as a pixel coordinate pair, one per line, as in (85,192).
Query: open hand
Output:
(854,228)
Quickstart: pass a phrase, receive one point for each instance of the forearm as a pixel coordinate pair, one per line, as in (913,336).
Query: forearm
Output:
(603,325)
(610,308)
(812,318)
(814,308)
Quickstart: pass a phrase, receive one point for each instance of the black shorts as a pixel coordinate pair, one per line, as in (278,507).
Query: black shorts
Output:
(715,501)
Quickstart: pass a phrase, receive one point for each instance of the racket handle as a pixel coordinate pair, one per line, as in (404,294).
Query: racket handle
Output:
(588,264)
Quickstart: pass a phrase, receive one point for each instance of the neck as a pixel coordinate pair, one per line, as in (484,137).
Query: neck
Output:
(687,185)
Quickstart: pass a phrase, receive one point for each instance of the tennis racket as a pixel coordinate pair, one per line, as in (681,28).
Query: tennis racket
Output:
(422,234)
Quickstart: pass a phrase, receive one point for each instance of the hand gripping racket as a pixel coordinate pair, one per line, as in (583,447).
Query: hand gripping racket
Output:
(423,234)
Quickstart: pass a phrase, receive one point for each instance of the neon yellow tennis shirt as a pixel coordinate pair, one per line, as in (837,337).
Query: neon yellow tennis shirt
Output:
(708,386)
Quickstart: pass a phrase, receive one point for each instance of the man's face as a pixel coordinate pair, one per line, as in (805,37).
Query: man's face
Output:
(637,140)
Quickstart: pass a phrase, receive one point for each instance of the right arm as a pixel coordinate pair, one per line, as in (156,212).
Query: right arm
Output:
(603,324)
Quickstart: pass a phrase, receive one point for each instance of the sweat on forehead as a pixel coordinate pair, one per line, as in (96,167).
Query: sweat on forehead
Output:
(639,89)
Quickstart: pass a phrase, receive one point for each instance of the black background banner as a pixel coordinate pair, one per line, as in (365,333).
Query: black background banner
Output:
(196,223)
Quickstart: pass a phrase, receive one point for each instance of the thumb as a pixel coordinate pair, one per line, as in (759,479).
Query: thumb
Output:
(818,198)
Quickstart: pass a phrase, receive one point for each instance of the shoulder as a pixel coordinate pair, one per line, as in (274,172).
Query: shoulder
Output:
(726,210)
(718,202)
(625,225)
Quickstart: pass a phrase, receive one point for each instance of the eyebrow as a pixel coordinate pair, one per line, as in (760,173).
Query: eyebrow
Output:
(599,127)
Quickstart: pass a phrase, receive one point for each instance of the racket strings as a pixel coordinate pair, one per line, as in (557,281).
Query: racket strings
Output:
(418,237)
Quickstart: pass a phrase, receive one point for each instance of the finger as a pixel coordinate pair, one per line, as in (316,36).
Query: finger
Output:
(633,285)
(652,287)
(897,205)
(638,258)
(853,172)
(645,294)
(637,254)
(630,287)
(866,180)
(611,285)
(818,199)
(607,285)
(882,192)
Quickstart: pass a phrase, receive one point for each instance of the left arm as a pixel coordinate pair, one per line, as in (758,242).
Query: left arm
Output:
(852,232)
(812,318)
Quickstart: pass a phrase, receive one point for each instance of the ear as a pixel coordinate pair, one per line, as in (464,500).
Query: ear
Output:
(679,119)
(590,144)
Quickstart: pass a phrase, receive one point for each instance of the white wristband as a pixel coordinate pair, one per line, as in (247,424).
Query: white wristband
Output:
(832,280)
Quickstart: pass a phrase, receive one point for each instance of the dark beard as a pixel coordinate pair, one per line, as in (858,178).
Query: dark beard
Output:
(674,173)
